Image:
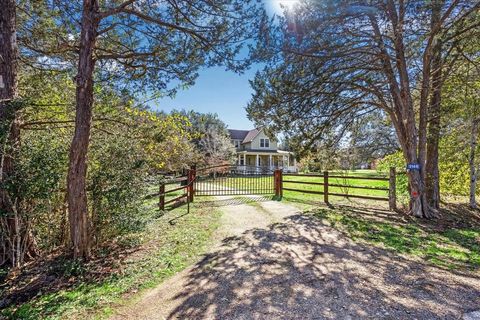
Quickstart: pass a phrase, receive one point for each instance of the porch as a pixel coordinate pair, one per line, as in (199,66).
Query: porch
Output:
(260,161)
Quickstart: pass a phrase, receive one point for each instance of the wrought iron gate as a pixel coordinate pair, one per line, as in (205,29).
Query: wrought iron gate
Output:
(233,180)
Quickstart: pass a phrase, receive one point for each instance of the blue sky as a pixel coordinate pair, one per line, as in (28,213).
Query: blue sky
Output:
(219,91)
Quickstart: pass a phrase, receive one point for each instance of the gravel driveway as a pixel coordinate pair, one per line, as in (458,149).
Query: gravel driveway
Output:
(271,262)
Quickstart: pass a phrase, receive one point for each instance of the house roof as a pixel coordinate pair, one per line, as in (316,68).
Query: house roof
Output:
(238,134)
(244,135)
(251,135)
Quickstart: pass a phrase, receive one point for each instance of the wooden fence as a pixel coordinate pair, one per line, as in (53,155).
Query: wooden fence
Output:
(326,183)
(186,183)
(329,180)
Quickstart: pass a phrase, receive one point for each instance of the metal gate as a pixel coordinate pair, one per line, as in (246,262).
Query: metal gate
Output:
(227,180)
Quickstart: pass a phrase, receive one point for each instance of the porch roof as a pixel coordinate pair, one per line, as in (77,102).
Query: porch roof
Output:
(259,151)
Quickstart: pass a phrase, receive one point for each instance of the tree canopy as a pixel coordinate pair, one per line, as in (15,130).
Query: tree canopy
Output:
(386,58)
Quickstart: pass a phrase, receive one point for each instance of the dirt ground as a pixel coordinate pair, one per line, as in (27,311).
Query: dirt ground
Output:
(272,262)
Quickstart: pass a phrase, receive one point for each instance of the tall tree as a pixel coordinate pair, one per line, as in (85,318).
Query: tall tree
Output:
(212,140)
(432,179)
(144,45)
(348,58)
(77,170)
(16,241)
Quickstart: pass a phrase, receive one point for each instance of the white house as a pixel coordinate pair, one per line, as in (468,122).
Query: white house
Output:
(256,149)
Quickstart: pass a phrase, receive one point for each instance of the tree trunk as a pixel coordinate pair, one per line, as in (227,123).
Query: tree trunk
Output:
(472,164)
(431,167)
(77,171)
(416,186)
(408,139)
(432,175)
(412,141)
(419,204)
(17,240)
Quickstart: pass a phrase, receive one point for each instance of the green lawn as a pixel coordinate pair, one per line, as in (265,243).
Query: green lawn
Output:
(166,248)
(349,183)
(346,188)
(452,247)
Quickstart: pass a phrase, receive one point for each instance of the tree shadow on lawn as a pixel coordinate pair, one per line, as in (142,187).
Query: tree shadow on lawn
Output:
(444,241)
(304,269)
(451,241)
(461,215)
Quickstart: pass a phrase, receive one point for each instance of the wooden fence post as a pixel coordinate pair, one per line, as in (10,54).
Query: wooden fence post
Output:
(191,182)
(325,186)
(161,202)
(278,181)
(281,183)
(392,190)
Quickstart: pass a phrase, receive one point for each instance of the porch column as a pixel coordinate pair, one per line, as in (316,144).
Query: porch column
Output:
(244,159)
(270,161)
(238,160)
(256,160)
(288,161)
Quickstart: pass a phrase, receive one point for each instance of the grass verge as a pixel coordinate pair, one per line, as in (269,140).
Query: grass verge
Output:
(449,247)
(169,244)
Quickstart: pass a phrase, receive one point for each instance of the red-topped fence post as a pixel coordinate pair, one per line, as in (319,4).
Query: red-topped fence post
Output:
(278,181)
(191,182)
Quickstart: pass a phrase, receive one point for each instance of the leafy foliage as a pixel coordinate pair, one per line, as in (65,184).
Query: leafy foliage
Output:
(212,140)
(130,146)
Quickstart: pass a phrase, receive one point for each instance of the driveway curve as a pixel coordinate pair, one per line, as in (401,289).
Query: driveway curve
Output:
(272,262)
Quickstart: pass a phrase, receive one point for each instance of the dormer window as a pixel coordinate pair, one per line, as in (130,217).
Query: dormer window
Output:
(264,143)
(236,143)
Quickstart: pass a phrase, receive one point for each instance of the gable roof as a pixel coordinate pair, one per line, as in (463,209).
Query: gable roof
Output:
(251,135)
(238,134)
(244,135)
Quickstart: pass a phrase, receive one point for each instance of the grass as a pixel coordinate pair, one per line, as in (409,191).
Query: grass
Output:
(449,247)
(247,184)
(305,197)
(342,181)
(169,244)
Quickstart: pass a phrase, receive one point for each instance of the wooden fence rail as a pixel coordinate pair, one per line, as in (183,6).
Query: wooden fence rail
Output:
(327,184)
(188,185)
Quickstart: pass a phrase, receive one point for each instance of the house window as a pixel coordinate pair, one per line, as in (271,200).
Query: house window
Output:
(241,161)
(264,143)
(236,143)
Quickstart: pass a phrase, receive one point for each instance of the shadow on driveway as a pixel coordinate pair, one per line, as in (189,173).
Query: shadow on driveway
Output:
(304,269)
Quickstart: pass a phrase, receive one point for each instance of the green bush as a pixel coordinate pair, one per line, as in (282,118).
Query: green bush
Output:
(40,186)
(116,187)
(453,166)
